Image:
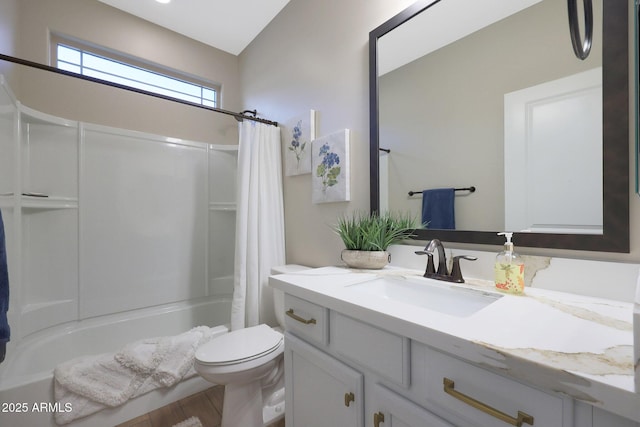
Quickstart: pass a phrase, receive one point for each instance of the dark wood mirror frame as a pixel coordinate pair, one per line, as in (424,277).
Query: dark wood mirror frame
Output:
(615,62)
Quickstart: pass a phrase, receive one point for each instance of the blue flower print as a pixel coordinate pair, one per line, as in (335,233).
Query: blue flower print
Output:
(328,170)
(296,147)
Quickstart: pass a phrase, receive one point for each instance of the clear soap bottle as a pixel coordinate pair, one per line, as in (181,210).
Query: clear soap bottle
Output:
(509,269)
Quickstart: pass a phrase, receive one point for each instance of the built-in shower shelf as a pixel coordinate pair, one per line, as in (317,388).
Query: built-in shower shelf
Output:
(37,202)
(222,206)
(39,306)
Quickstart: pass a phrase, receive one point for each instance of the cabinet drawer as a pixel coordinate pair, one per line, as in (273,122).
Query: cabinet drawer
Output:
(306,320)
(484,398)
(383,352)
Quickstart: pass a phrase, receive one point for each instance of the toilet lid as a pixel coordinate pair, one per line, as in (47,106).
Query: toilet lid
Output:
(239,346)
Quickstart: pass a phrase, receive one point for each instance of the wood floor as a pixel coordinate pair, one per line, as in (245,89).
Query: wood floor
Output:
(206,405)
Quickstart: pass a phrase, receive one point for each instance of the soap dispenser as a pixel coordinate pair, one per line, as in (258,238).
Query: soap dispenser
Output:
(509,269)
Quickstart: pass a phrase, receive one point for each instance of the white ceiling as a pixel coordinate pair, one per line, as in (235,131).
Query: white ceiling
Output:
(229,25)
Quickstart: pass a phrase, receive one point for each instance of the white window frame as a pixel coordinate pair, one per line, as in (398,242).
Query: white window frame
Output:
(149,77)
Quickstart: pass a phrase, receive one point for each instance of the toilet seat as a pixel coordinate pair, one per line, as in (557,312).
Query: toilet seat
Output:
(239,346)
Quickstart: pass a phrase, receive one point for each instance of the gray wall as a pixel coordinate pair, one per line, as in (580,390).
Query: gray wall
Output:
(314,56)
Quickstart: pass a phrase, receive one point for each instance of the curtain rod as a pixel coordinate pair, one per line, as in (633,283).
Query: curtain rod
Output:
(238,116)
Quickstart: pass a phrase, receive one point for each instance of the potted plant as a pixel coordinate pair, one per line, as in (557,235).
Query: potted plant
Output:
(367,236)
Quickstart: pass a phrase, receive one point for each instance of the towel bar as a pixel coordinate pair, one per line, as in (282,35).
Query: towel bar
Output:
(469,189)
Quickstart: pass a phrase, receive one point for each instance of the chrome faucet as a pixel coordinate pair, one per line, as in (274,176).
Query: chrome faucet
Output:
(443,273)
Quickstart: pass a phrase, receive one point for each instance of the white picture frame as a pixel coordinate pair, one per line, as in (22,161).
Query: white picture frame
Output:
(330,170)
(298,133)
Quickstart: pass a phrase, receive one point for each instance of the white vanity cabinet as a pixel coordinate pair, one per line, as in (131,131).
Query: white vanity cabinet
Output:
(341,371)
(422,365)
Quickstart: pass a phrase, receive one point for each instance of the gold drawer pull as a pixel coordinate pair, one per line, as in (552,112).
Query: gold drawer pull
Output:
(294,316)
(378,418)
(348,398)
(522,417)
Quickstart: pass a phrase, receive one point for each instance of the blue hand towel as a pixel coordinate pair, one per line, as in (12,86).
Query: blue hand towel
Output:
(437,208)
(5,332)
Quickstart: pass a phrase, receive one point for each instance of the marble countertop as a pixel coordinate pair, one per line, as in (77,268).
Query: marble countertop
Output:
(577,345)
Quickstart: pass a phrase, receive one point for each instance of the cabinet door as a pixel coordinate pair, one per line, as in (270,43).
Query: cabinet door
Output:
(602,418)
(319,390)
(394,410)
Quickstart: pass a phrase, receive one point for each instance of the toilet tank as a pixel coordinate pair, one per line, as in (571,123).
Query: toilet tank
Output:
(278,295)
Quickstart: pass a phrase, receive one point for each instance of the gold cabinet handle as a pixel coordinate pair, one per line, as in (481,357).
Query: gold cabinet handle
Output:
(294,316)
(522,417)
(348,398)
(378,418)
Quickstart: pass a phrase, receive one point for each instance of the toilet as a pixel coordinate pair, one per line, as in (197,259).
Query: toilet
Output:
(249,363)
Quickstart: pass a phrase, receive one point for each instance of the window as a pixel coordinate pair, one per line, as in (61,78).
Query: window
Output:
(72,56)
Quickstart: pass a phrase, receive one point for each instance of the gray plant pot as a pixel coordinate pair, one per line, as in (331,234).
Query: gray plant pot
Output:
(371,260)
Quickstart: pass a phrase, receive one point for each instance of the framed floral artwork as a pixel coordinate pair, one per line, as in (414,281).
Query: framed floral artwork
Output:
(330,168)
(298,134)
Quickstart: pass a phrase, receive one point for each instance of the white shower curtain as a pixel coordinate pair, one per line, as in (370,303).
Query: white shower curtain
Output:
(259,222)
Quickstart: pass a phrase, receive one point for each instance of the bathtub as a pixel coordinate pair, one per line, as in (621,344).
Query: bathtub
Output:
(26,375)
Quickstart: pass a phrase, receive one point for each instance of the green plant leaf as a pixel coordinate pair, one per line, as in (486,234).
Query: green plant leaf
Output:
(375,232)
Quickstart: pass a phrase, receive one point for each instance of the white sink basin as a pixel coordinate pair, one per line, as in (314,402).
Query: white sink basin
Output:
(427,293)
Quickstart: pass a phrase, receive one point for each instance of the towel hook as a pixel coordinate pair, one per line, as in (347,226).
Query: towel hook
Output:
(581,49)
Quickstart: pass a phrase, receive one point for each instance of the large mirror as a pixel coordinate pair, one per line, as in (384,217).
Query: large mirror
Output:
(488,98)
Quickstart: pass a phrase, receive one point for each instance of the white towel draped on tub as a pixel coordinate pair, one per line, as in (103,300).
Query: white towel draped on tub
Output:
(92,383)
